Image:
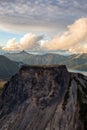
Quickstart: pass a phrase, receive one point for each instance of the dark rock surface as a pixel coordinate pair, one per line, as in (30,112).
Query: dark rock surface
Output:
(43,98)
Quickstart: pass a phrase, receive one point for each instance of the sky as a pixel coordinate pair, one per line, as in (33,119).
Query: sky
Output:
(43,25)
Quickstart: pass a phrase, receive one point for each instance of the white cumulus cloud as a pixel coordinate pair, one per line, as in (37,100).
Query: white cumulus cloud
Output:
(75,36)
(29,41)
(11,45)
(74,39)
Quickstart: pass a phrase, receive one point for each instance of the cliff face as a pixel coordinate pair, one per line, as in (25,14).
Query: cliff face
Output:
(44,98)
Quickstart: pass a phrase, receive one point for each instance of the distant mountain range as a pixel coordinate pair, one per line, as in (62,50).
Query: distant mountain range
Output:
(75,61)
(11,62)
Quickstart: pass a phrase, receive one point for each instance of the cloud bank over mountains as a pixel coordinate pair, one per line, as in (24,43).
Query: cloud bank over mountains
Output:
(29,41)
(74,40)
(75,37)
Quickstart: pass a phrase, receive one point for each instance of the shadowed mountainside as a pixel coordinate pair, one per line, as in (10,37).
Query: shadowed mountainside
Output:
(8,67)
(44,98)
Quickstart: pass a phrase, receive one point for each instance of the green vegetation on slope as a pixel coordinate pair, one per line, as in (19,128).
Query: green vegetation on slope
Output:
(1,85)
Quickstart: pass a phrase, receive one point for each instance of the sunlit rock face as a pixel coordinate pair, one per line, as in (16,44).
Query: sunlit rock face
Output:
(44,98)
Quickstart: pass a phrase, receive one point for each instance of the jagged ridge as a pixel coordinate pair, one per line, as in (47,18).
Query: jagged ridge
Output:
(36,99)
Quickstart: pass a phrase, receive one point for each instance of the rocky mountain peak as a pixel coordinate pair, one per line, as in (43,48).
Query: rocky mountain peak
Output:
(42,98)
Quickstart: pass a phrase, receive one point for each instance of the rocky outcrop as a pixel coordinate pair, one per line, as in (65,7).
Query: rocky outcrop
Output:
(44,98)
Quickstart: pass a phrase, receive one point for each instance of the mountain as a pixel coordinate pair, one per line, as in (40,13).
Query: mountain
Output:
(7,67)
(1,51)
(75,61)
(81,67)
(20,56)
(78,61)
(44,98)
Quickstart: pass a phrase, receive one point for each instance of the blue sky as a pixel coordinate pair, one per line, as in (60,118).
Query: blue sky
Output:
(5,36)
(47,17)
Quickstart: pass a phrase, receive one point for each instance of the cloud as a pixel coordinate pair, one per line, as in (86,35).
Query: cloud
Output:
(39,15)
(75,36)
(74,39)
(0,48)
(11,45)
(81,49)
(29,41)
